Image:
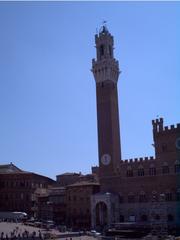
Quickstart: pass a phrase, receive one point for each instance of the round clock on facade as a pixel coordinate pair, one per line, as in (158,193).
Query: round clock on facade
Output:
(178,143)
(106,159)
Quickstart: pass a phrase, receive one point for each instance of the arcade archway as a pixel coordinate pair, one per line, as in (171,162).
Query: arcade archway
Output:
(101,214)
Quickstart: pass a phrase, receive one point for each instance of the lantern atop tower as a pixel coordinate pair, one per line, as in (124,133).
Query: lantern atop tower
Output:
(105,67)
(103,29)
(104,44)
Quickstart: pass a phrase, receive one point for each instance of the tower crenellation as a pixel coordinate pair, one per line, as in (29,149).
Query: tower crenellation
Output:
(166,139)
(105,67)
(158,126)
(104,44)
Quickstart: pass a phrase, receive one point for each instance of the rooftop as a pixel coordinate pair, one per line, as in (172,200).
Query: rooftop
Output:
(69,174)
(10,168)
(83,183)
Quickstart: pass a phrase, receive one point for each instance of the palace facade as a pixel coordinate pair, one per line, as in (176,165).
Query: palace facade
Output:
(143,190)
(19,190)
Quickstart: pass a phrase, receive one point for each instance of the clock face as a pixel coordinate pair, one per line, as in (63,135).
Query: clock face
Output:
(106,159)
(178,143)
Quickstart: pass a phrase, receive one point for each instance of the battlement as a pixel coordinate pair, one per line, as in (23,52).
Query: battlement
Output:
(157,121)
(141,159)
(167,128)
(158,126)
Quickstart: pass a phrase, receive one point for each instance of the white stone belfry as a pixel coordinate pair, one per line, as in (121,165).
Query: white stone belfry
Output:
(105,67)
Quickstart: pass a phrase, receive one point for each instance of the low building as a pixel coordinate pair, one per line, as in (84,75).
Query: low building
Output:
(67,178)
(19,189)
(79,203)
(52,205)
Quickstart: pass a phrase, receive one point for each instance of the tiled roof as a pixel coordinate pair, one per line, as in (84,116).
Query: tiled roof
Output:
(69,174)
(10,168)
(84,183)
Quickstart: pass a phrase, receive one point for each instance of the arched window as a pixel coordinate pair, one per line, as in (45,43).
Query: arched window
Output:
(140,171)
(152,170)
(168,196)
(129,172)
(165,168)
(101,50)
(142,197)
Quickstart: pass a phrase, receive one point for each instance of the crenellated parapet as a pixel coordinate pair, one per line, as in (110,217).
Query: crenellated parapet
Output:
(136,167)
(171,127)
(166,139)
(158,126)
(137,160)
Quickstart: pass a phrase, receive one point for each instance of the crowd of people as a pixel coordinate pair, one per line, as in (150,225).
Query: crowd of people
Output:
(19,234)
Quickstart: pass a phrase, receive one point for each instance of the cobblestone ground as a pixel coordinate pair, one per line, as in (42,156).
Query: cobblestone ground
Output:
(81,238)
(7,227)
(19,228)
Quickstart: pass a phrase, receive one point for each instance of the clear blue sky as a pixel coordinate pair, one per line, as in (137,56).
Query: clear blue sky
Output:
(47,91)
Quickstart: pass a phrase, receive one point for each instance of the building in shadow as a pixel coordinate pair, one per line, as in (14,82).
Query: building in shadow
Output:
(19,190)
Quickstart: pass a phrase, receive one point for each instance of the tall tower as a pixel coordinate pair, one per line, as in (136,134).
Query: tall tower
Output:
(106,72)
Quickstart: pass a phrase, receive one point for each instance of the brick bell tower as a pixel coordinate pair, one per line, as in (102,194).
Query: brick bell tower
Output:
(106,72)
